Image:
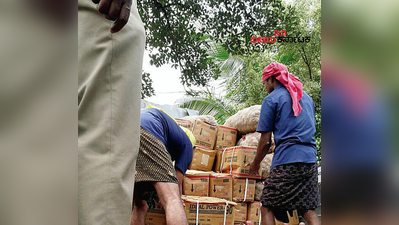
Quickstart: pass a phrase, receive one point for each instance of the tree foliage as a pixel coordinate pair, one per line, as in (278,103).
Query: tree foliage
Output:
(180,32)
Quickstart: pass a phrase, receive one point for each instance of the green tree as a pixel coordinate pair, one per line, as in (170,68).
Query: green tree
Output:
(179,32)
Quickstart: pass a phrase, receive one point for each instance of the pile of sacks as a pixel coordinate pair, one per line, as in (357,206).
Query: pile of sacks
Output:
(252,139)
(246,120)
(204,118)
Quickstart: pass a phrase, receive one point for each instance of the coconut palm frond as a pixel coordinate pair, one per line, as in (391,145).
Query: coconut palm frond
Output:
(207,107)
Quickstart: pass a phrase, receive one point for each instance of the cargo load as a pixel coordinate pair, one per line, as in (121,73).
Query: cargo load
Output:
(292,220)
(236,161)
(155,215)
(221,186)
(205,134)
(252,139)
(266,164)
(226,137)
(203,158)
(254,213)
(196,183)
(246,120)
(241,212)
(184,123)
(208,210)
(258,190)
(204,118)
(243,189)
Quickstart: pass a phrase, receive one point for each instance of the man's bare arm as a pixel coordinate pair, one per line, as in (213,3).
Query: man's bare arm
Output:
(263,149)
(180,177)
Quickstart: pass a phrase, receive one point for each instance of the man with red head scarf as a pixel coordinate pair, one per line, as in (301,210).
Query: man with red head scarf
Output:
(288,112)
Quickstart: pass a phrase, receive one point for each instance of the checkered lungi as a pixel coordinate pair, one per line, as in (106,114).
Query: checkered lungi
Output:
(292,187)
(154,163)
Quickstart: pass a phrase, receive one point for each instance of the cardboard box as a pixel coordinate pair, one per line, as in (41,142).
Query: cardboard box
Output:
(221,186)
(155,216)
(226,137)
(254,213)
(205,134)
(236,160)
(293,220)
(218,160)
(185,123)
(196,183)
(243,189)
(203,158)
(210,210)
(241,212)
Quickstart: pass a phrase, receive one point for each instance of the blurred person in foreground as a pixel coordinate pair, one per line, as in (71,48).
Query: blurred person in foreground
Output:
(357,188)
(162,141)
(288,112)
(111,43)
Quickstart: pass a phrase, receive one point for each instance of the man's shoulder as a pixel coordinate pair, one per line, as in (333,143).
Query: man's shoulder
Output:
(306,97)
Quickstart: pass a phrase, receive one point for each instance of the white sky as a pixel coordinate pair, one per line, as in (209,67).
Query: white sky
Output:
(165,81)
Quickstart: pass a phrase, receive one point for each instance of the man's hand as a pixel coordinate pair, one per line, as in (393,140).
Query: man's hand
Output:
(254,168)
(115,10)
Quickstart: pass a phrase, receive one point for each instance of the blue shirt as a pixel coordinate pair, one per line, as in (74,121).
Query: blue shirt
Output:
(356,139)
(294,136)
(172,136)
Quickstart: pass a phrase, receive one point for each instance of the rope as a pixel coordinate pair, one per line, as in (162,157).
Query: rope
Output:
(196,219)
(246,189)
(221,162)
(225,213)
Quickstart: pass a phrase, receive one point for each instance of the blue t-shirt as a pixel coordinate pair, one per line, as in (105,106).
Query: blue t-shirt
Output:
(356,139)
(294,136)
(172,136)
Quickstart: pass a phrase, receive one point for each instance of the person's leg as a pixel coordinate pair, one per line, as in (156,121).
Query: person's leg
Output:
(169,196)
(140,209)
(109,83)
(267,216)
(311,217)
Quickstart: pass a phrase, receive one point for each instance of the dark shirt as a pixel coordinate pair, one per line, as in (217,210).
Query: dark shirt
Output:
(174,138)
(294,136)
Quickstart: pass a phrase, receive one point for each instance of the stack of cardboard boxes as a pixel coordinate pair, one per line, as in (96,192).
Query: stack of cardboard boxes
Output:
(217,188)
(221,168)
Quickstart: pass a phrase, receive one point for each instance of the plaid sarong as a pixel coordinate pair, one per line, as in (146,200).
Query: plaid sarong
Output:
(154,163)
(292,187)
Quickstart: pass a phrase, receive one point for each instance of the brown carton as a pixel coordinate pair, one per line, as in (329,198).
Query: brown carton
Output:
(241,212)
(218,160)
(226,137)
(205,134)
(185,123)
(254,214)
(243,189)
(236,160)
(155,215)
(208,210)
(239,223)
(293,220)
(221,186)
(196,183)
(203,158)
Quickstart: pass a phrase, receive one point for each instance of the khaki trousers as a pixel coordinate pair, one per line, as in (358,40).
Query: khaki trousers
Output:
(109,87)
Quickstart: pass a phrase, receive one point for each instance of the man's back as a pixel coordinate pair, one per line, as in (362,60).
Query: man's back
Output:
(294,136)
